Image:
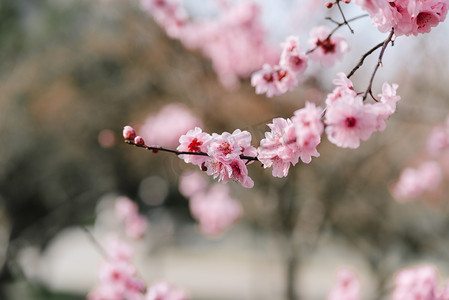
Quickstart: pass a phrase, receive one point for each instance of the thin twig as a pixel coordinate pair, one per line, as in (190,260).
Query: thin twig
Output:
(379,63)
(344,18)
(363,59)
(94,241)
(339,24)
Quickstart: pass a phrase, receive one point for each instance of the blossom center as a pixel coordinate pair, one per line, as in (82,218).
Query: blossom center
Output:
(326,45)
(225,147)
(350,121)
(195,145)
(268,77)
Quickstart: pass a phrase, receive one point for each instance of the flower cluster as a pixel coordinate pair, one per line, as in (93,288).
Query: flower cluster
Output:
(118,278)
(350,120)
(235,42)
(419,283)
(405,16)
(225,157)
(127,211)
(426,178)
(278,79)
(214,209)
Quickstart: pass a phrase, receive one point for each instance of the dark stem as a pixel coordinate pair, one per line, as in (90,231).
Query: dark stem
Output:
(379,63)
(155,149)
(344,18)
(363,59)
(94,241)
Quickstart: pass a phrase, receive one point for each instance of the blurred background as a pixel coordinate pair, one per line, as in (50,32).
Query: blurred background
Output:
(73,73)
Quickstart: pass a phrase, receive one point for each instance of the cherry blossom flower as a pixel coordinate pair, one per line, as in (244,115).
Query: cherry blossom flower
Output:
(118,250)
(128,212)
(129,133)
(279,148)
(273,81)
(349,121)
(308,130)
(195,140)
(346,286)
(327,51)
(292,57)
(438,140)
(215,210)
(416,283)
(344,87)
(125,208)
(414,182)
(405,16)
(164,291)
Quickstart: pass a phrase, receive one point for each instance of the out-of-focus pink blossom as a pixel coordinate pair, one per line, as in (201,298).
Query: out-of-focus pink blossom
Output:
(405,16)
(125,208)
(438,140)
(168,14)
(416,284)
(128,212)
(118,250)
(164,291)
(166,127)
(414,182)
(273,81)
(195,140)
(292,57)
(349,121)
(215,210)
(346,286)
(327,51)
(192,183)
(136,227)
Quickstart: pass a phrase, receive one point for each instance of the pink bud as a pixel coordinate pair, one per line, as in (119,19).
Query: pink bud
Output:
(138,140)
(329,4)
(129,133)
(347,1)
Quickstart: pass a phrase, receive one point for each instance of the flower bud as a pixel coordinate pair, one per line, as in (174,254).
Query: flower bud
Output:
(129,133)
(138,140)
(329,4)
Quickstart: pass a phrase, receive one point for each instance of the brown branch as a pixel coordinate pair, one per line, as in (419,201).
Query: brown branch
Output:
(156,149)
(379,63)
(363,58)
(344,18)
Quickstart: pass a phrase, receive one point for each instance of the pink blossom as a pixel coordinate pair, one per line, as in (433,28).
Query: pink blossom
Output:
(164,291)
(279,148)
(273,81)
(327,51)
(438,140)
(414,182)
(166,127)
(349,121)
(346,286)
(415,284)
(118,250)
(215,210)
(292,56)
(195,140)
(405,16)
(224,159)
(125,208)
(308,130)
(344,87)
(384,108)
(136,227)
(192,183)
(168,14)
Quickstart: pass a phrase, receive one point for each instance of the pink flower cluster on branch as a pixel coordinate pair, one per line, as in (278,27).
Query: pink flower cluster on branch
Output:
(226,156)
(405,16)
(235,41)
